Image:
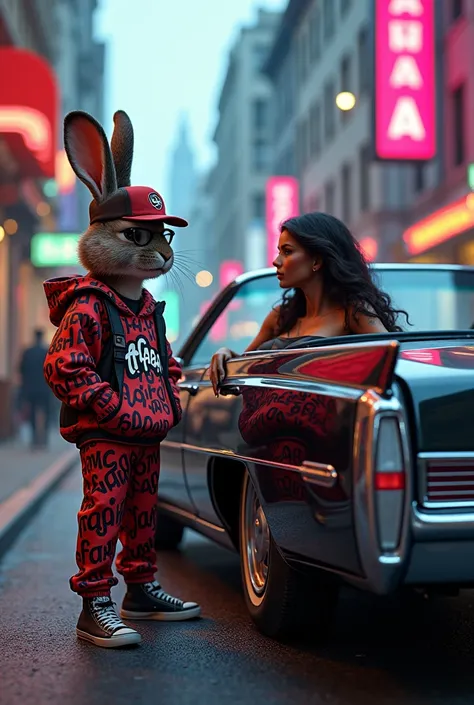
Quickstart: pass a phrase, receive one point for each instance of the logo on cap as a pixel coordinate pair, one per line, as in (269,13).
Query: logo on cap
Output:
(155,201)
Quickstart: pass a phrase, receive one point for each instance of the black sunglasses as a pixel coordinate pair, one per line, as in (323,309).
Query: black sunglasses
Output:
(142,237)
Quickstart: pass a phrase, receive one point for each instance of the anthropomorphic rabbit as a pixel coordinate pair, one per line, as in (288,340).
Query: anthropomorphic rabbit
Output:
(112,368)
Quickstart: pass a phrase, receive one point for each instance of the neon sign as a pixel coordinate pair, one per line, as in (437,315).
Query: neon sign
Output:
(54,249)
(32,125)
(229,271)
(441,226)
(29,109)
(281,203)
(404,103)
(369,247)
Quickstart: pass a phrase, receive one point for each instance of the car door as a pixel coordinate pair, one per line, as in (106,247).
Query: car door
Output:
(209,419)
(173,486)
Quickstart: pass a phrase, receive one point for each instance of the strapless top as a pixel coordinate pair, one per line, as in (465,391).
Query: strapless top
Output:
(282,342)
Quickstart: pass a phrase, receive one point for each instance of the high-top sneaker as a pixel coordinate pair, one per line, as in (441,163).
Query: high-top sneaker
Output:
(150,601)
(100,624)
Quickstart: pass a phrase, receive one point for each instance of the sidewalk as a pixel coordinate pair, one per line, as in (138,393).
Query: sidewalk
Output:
(27,477)
(19,465)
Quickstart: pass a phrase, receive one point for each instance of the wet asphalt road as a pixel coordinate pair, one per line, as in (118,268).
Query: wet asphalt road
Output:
(412,652)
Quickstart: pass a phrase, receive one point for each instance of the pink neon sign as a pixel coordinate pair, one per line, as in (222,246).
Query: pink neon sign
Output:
(229,271)
(405,125)
(282,201)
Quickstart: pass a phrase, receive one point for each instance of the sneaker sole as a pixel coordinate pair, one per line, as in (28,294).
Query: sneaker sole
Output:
(162,616)
(111,642)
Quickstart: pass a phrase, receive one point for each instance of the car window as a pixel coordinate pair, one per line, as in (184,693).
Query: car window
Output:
(433,299)
(241,320)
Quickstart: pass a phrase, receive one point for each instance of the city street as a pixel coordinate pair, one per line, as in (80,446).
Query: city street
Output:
(415,652)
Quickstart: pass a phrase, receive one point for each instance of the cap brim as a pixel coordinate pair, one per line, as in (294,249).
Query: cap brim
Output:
(169,219)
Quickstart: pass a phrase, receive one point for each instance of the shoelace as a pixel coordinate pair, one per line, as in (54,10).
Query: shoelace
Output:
(106,615)
(157,591)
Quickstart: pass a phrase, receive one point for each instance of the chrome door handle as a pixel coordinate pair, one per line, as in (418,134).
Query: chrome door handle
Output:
(228,390)
(193,389)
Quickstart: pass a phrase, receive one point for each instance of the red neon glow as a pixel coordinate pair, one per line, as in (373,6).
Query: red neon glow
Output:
(29,107)
(369,247)
(282,202)
(390,481)
(427,356)
(32,125)
(405,126)
(441,226)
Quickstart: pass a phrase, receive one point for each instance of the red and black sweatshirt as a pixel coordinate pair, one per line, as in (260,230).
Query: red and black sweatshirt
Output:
(141,411)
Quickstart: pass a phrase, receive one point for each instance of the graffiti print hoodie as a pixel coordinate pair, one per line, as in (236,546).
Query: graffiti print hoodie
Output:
(93,407)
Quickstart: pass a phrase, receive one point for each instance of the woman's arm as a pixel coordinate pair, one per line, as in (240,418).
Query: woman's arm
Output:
(217,371)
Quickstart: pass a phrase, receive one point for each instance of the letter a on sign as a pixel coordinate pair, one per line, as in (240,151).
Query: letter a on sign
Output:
(406,121)
(411,7)
(406,73)
(405,80)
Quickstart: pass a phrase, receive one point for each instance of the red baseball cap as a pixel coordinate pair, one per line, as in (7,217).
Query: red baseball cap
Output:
(135,203)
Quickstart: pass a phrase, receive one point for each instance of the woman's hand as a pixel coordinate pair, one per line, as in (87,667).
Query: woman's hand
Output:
(217,369)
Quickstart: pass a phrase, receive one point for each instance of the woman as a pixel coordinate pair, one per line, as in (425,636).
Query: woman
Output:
(329,290)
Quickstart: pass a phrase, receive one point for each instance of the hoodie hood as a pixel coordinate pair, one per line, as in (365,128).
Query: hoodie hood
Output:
(61,291)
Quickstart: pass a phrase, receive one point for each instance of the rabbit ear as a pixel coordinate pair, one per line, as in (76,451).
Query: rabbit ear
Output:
(89,154)
(122,148)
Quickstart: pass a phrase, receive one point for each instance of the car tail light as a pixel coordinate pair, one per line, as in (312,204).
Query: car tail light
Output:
(389,482)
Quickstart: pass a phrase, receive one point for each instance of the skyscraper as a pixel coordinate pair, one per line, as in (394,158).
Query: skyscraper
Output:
(182,179)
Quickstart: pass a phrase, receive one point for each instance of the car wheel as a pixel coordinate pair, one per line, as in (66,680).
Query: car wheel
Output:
(169,532)
(280,600)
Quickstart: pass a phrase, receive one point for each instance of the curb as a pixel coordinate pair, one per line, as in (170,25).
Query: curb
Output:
(21,506)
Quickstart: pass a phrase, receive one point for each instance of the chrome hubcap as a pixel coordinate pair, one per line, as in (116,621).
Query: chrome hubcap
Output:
(257,541)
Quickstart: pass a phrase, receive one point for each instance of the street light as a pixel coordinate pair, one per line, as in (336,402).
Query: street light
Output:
(345,100)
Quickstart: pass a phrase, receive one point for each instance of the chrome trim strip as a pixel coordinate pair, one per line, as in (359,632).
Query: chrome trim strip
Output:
(445,526)
(442,458)
(190,516)
(383,570)
(377,266)
(329,390)
(314,473)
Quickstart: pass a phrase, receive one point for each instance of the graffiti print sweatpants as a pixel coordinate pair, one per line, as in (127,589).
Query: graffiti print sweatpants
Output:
(119,503)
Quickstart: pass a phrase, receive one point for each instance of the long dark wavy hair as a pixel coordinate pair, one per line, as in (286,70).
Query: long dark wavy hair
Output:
(347,278)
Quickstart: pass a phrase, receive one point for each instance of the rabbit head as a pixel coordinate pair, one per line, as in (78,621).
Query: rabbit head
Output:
(128,233)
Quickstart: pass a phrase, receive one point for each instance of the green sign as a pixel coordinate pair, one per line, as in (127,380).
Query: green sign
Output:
(470,176)
(171,314)
(54,249)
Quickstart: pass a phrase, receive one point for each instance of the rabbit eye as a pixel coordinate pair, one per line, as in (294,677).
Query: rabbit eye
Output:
(139,236)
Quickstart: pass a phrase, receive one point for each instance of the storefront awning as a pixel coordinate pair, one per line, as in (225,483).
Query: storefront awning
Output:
(28,111)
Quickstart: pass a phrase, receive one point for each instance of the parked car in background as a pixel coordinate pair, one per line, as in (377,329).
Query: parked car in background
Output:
(346,460)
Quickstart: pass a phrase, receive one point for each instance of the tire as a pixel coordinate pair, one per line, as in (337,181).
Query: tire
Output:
(169,533)
(281,601)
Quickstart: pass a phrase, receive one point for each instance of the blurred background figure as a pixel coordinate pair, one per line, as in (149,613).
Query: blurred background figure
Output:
(34,394)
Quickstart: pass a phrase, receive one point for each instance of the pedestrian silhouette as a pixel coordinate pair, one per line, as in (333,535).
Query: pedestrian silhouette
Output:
(35,394)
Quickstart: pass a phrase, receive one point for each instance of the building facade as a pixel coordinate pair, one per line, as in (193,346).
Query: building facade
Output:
(324,47)
(243,140)
(441,217)
(49,64)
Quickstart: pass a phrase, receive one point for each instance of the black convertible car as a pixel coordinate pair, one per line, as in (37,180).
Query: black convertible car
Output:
(349,459)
